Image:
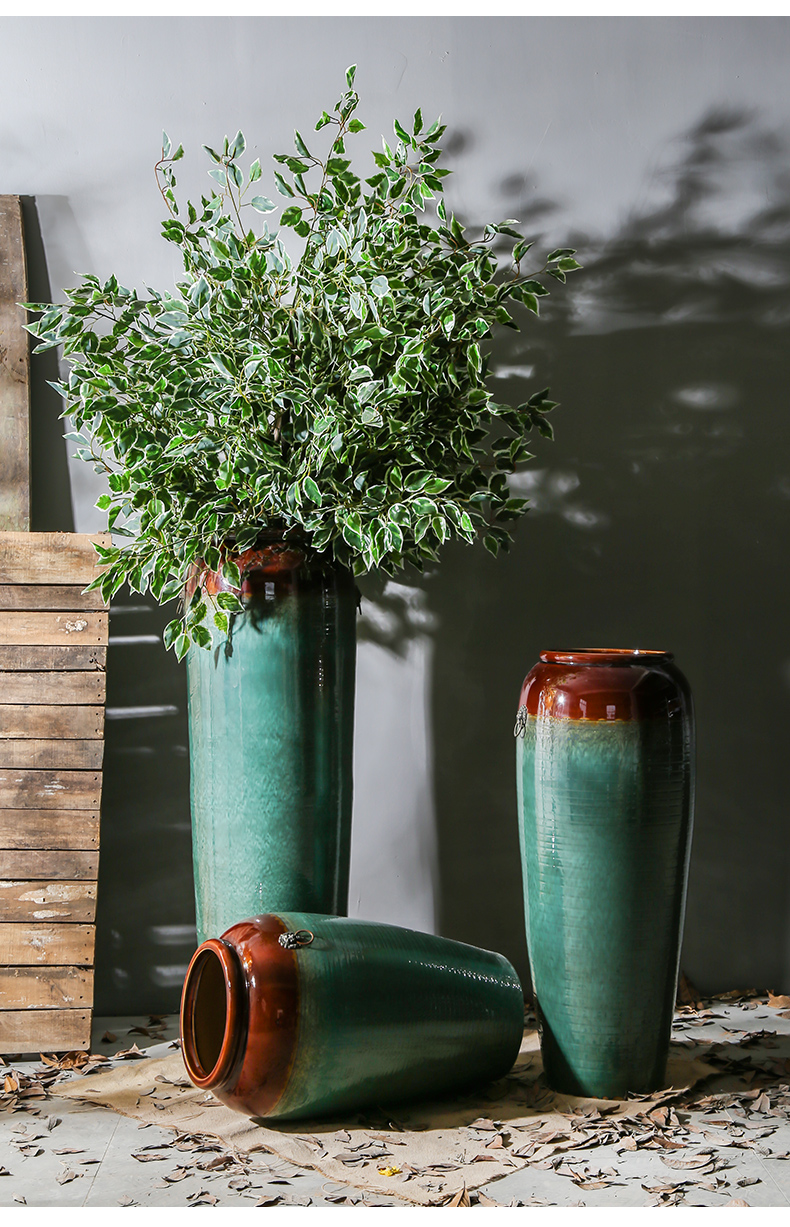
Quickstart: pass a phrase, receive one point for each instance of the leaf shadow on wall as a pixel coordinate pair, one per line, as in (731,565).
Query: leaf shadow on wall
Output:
(659,519)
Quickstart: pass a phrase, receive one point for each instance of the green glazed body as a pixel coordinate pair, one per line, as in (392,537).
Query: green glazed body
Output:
(271,725)
(605,790)
(366,1013)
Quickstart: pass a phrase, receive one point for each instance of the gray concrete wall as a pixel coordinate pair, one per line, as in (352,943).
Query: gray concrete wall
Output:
(658,147)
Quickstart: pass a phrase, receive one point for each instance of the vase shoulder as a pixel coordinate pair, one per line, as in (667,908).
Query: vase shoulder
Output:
(605,685)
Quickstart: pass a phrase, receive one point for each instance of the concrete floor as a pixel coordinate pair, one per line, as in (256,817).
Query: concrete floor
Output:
(60,1152)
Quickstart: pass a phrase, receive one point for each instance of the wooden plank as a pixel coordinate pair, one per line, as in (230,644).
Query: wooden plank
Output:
(76,830)
(26,659)
(21,788)
(42,864)
(46,723)
(70,902)
(61,629)
(45,1031)
(49,596)
(51,558)
(53,688)
(55,753)
(45,988)
(54,945)
(14,372)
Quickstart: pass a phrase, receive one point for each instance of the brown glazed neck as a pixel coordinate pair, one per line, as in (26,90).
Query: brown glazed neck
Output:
(258,1047)
(605,684)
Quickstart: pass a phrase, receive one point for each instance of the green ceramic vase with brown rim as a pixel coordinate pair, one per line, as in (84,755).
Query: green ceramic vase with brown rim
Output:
(271,726)
(294,1015)
(605,749)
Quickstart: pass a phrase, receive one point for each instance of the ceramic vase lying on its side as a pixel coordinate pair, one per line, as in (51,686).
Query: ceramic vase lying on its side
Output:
(605,748)
(292,1015)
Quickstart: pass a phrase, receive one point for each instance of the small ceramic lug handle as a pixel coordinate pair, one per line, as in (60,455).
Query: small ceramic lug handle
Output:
(291,941)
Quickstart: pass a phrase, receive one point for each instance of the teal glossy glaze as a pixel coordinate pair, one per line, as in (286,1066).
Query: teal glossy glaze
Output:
(606,808)
(387,1014)
(271,719)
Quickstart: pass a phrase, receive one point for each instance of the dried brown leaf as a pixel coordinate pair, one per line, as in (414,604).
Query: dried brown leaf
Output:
(484,1200)
(697,1162)
(219,1161)
(178,1173)
(778,1001)
(688,994)
(126,1200)
(67,1177)
(128,1053)
(203,1198)
(483,1122)
(268,1199)
(461,1198)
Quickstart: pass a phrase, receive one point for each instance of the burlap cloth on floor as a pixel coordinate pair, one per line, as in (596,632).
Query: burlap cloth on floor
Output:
(420,1152)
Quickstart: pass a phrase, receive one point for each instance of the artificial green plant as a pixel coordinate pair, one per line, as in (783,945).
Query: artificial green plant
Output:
(338,394)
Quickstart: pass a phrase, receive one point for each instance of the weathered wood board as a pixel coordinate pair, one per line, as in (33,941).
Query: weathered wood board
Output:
(14,372)
(53,645)
(52,688)
(72,902)
(28,659)
(44,1030)
(76,830)
(50,558)
(49,752)
(52,988)
(56,945)
(49,597)
(35,629)
(41,721)
(20,788)
(42,864)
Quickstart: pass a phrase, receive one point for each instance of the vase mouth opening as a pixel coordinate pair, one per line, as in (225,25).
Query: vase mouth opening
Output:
(210,1009)
(605,656)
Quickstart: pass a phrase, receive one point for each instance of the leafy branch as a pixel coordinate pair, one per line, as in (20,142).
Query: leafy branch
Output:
(339,397)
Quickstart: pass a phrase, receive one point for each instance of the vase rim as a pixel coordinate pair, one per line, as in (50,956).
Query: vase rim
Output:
(604,656)
(210,1073)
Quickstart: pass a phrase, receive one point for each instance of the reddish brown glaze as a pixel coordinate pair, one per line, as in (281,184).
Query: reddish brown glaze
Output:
(262,1008)
(271,562)
(605,684)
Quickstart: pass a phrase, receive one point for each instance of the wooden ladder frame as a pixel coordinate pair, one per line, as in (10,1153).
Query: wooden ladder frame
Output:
(53,655)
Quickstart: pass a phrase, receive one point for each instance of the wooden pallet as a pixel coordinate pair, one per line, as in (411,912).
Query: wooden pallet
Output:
(53,651)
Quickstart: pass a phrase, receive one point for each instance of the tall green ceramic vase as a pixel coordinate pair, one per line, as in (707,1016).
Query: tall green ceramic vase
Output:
(605,748)
(271,725)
